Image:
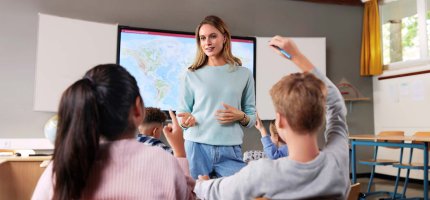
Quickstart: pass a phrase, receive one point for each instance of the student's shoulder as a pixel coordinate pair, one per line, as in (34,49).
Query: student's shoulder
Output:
(262,171)
(262,165)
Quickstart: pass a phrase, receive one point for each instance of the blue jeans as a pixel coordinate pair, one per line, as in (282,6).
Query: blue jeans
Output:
(214,161)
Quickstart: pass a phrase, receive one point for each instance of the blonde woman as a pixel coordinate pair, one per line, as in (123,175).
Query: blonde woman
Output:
(218,98)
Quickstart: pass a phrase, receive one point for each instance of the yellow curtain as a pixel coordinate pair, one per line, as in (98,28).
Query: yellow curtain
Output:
(371,51)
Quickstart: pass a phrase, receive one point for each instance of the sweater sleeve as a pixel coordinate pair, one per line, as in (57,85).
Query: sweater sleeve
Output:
(336,132)
(183,163)
(248,100)
(270,149)
(186,100)
(242,185)
(44,188)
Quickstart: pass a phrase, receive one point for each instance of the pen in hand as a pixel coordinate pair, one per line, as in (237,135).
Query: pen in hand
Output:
(283,52)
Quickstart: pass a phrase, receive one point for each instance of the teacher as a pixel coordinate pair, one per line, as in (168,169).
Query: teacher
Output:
(217,98)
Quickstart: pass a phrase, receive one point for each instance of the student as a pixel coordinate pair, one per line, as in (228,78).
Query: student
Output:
(217,98)
(96,155)
(300,100)
(273,145)
(151,127)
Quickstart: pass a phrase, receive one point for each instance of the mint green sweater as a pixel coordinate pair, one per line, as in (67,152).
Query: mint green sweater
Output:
(203,92)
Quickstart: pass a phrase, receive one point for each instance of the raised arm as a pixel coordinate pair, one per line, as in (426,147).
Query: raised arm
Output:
(174,135)
(336,133)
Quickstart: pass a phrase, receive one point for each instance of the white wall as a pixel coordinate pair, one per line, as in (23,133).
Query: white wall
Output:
(402,104)
(18,34)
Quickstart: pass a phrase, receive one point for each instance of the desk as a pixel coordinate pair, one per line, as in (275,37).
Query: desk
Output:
(373,140)
(19,176)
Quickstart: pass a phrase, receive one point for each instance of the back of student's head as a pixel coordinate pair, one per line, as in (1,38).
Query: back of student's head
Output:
(97,105)
(300,98)
(154,115)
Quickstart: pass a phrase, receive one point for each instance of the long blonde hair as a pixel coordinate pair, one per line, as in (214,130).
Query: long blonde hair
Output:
(201,58)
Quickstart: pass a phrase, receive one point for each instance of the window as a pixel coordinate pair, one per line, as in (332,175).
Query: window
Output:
(428,24)
(405,29)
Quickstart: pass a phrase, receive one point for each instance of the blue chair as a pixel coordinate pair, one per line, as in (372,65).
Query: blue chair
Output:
(410,165)
(383,162)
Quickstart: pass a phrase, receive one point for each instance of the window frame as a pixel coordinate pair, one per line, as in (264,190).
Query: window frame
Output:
(422,38)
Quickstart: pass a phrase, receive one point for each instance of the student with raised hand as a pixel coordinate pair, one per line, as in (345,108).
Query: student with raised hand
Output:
(217,99)
(273,145)
(96,154)
(301,100)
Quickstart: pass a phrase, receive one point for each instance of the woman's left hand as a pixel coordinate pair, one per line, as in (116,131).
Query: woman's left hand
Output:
(229,115)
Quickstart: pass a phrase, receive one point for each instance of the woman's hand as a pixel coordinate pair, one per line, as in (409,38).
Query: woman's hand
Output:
(260,127)
(174,136)
(187,120)
(229,115)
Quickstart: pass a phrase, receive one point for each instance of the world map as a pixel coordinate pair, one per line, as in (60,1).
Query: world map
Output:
(159,61)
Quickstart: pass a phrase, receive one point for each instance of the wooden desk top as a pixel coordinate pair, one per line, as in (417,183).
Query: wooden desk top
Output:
(392,138)
(24,159)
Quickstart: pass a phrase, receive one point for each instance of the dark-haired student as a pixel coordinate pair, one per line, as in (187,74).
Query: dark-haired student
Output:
(151,127)
(301,100)
(96,154)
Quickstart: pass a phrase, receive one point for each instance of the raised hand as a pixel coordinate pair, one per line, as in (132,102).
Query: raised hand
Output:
(260,127)
(229,115)
(290,47)
(187,120)
(174,136)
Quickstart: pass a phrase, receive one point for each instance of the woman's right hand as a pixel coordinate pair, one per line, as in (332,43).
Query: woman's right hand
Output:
(187,120)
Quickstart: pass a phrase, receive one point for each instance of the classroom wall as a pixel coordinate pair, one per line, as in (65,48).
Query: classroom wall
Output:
(407,98)
(341,25)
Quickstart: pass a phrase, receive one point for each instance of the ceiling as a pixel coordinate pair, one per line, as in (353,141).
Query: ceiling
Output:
(340,2)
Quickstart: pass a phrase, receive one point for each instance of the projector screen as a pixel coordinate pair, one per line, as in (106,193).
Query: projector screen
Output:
(158,60)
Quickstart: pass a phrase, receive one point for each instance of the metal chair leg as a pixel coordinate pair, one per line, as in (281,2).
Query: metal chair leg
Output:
(371,179)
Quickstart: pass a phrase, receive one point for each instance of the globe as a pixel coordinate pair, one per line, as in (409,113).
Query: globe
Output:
(50,128)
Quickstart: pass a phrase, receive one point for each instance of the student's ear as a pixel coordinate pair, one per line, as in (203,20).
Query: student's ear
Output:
(280,121)
(154,131)
(138,112)
(282,126)
(140,129)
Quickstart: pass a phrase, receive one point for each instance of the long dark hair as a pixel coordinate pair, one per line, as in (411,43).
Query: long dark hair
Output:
(97,105)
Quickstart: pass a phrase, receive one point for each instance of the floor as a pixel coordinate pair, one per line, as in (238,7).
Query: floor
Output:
(413,190)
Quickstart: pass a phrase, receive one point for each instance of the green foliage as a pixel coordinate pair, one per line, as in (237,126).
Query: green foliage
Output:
(409,30)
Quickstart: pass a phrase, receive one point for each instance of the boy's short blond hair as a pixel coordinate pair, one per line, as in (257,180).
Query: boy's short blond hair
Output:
(300,98)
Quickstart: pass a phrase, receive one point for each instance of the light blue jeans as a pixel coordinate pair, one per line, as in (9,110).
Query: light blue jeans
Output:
(212,160)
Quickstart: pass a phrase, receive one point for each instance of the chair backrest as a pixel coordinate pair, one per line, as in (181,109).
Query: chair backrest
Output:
(421,134)
(392,133)
(354,192)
